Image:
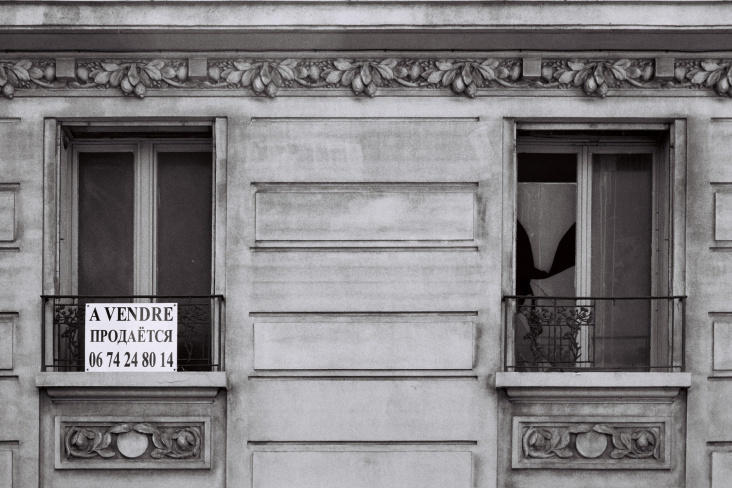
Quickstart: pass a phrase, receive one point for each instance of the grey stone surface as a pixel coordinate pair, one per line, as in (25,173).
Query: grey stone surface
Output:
(304,407)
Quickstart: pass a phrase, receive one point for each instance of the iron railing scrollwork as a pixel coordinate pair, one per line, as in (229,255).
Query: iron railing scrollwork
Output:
(200,331)
(545,333)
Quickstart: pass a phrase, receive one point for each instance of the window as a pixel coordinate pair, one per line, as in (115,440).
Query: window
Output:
(137,210)
(140,219)
(593,251)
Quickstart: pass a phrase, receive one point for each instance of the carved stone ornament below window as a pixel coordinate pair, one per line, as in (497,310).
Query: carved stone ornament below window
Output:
(413,76)
(591,445)
(170,443)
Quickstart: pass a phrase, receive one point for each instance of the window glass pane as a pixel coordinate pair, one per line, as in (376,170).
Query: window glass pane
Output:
(546,213)
(106,226)
(622,205)
(547,167)
(184,223)
(184,249)
(545,256)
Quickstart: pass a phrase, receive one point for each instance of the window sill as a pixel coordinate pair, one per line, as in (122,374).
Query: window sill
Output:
(593,384)
(120,385)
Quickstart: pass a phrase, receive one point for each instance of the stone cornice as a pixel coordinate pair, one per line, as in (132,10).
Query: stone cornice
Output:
(366,76)
(339,14)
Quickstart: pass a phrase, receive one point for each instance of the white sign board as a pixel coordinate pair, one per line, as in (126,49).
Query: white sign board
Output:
(131,337)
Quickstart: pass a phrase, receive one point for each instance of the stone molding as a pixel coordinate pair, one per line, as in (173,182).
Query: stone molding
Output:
(132,443)
(590,443)
(186,387)
(416,75)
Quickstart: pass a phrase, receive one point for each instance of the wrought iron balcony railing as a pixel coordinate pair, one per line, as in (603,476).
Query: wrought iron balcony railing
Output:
(200,331)
(546,333)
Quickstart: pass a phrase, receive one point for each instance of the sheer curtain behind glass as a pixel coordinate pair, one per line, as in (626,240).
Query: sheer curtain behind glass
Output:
(608,254)
(622,206)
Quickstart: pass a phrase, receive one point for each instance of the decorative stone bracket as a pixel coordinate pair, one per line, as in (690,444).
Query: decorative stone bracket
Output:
(590,444)
(160,443)
(468,76)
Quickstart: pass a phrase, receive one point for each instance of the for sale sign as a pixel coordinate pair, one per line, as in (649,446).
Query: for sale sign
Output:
(131,337)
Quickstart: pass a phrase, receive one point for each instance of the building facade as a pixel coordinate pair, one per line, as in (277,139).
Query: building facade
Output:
(407,244)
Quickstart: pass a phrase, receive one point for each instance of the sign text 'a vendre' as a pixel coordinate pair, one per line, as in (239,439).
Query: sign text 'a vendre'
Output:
(131,337)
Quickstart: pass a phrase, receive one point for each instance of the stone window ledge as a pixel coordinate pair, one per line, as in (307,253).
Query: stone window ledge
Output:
(592,384)
(161,385)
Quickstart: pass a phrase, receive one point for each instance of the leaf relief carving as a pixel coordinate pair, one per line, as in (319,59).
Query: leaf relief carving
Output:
(596,77)
(704,74)
(632,443)
(132,77)
(546,442)
(171,442)
(25,73)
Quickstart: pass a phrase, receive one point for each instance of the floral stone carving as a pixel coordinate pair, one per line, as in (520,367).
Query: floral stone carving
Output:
(708,73)
(364,76)
(25,73)
(631,442)
(131,77)
(467,76)
(606,445)
(596,77)
(266,77)
(263,77)
(123,440)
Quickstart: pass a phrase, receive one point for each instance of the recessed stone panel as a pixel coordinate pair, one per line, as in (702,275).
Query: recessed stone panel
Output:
(6,468)
(7,326)
(334,149)
(345,409)
(7,214)
(722,346)
(362,469)
(721,469)
(363,345)
(367,214)
(723,216)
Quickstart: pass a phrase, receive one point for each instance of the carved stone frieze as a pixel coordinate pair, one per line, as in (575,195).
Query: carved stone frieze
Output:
(26,74)
(596,77)
(86,444)
(366,76)
(465,76)
(177,443)
(593,445)
(704,74)
(632,442)
(263,77)
(132,77)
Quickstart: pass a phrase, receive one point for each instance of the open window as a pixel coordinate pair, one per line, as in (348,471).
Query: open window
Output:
(593,284)
(136,220)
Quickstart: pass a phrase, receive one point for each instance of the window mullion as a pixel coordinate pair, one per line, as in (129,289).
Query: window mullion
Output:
(584,222)
(144,220)
(583,283)
(70,178)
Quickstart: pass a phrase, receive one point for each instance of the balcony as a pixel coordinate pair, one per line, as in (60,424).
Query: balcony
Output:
(199,338)
(559,334)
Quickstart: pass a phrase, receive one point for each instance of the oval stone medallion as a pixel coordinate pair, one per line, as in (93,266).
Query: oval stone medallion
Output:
(132,444)
(591,444)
